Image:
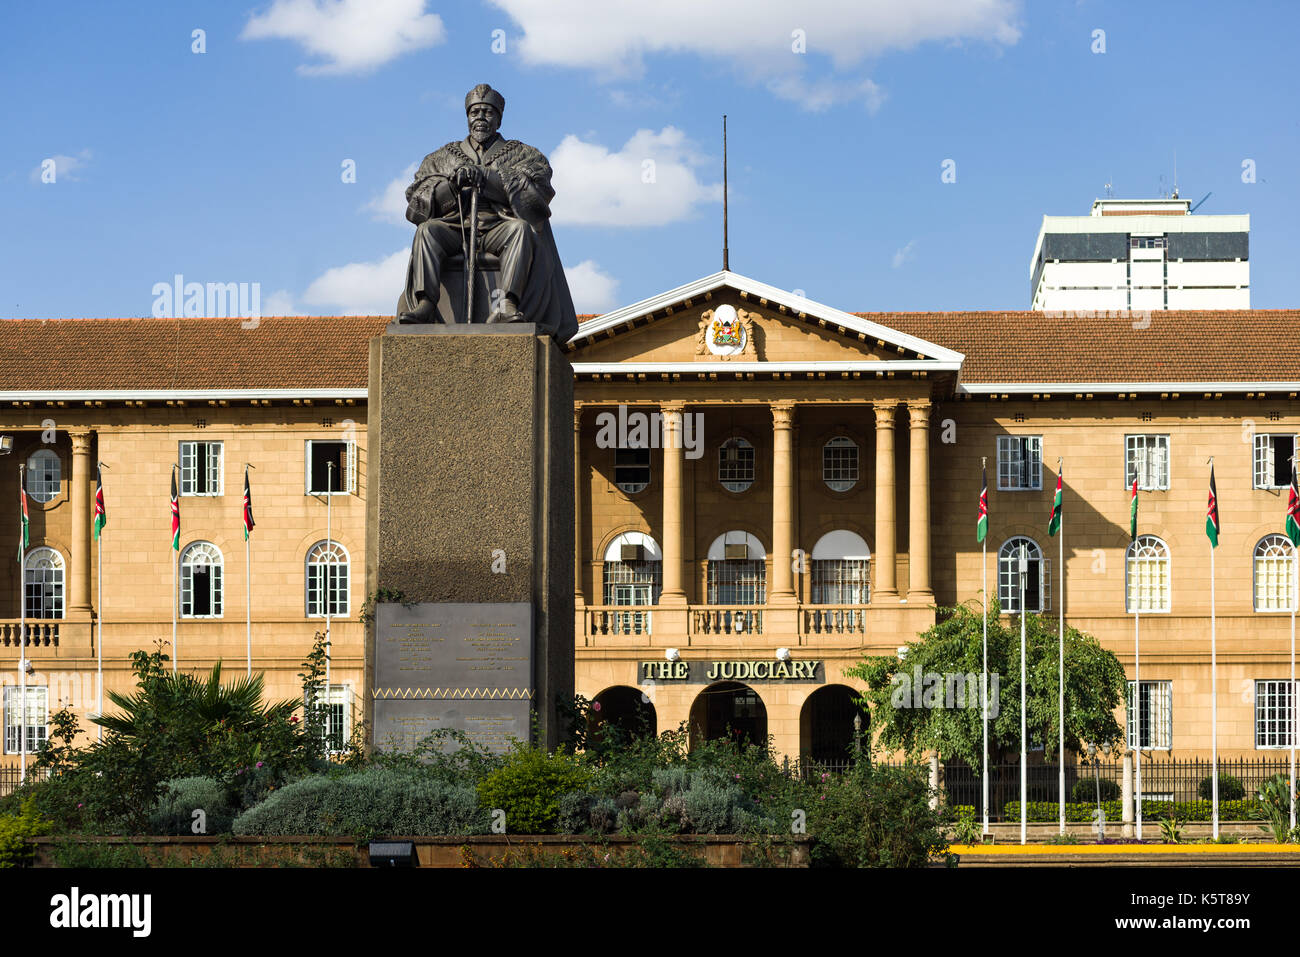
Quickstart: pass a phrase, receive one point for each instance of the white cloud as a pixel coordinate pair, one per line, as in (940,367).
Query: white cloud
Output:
(592,290)
(65,167)
(903,255)
(819,95)
(361,289)
(349,36)
(279,303)
(390,205)
(651,181)
(756,37)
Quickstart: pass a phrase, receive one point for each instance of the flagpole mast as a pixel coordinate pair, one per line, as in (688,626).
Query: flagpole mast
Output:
(1214,673)
(1024,750)
(99,608)
(1137,665)
(984,574)
(22,630)
(1295,584)
(248,574)
(1060,756)
(176,559)
(328,584)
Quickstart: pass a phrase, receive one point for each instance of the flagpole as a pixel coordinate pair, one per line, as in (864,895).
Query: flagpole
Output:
(1295,584)
(1214,674)
(1060,757)
(984,573)
(248,572)
(22,631)
(1024,751)
(99,611)
(1137,665)
(329,581)
(176,560)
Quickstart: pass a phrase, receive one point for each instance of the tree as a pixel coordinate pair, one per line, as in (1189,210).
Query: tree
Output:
(930,699)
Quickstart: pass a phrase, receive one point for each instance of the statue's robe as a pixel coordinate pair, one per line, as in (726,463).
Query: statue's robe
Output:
(526,177)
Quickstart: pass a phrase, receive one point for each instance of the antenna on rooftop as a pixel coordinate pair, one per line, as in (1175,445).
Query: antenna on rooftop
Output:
(1202,199)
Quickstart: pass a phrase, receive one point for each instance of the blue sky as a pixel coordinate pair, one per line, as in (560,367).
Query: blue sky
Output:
(226,165)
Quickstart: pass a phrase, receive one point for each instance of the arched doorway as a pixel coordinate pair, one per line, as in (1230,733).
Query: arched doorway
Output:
(622,708)
(731,710)
(826,724)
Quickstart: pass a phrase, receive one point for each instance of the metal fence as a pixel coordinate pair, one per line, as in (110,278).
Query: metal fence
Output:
(1162,780)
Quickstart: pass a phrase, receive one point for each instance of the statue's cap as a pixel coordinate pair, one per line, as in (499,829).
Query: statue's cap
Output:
(485,94)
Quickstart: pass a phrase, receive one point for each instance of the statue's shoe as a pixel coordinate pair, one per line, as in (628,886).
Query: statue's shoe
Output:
(506,312)
(426,311)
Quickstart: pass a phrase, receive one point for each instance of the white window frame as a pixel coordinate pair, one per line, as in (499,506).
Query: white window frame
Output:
(1009,590)
(1152,469)
(37,714)
(216,562)
(340,601)
(348,485)
(1273,714)
(734,481)
(44,479)
(1160,718)
(1148,551)
(1012,452)
(1264,462)
(844,471)
(1275,553)
(43,559)
(211,467)
(337,697)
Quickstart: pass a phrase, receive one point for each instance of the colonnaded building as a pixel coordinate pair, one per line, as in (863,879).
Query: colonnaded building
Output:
(804,494)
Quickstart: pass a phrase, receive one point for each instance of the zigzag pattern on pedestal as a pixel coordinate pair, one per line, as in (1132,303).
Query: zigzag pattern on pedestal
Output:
(423,693)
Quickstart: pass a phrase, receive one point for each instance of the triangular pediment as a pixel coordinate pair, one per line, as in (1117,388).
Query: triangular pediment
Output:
(729,319)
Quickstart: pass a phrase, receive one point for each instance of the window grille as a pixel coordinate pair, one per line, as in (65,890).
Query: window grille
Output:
(1020,462)
(1155,728)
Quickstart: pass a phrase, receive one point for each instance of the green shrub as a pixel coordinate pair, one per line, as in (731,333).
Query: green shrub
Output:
(14,828)
(1048,811)
(367,804)
(1230,788)
(528,787)
(875,816)
(174,812)
(1085,791)
(1274,797)
(97,855)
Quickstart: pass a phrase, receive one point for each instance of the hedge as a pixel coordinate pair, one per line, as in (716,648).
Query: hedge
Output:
(1046,812)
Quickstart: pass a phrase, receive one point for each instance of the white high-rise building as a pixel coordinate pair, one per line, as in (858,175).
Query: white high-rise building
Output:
(1141,255)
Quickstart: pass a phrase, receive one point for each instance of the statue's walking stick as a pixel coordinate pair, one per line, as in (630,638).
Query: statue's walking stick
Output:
(471,254)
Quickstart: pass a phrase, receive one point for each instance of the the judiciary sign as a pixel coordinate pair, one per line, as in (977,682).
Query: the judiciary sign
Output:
(703,672)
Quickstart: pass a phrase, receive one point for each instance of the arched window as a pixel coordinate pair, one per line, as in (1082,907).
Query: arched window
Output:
(43,583)
(737,570)
(736,464)
(1273,574)
(840,561)
(633,575)
(840,463)
(1038,587)
(201,564)
(1147,575)
(327,580)
(632,470)
(44,473)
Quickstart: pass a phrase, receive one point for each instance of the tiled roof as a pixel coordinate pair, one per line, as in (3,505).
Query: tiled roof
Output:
(1246,345)
(1257,345)
(142,354)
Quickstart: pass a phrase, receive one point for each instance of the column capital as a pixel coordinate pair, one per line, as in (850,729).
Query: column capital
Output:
(80,441)
(885,409)
(782,414)
(918,411)
(672,407)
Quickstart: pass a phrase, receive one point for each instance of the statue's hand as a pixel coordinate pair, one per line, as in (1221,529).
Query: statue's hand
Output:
(469,176)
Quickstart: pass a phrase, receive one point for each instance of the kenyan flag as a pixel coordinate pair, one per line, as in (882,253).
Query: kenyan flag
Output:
(248,507)
(1212,513)
(1054,523)
(176,516)
(101,513)
(25,537)
(982,522)
(1133,512)
(1292,511)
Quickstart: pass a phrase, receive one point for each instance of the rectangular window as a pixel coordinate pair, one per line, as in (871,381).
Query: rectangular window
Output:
(335,714)
(36,723)
(200,468)
(1147,457)
(1273,460)
(1273,728)
(737,582)
(331,467)
(840,581)
(1154,729)
(1020,462)
(631,469)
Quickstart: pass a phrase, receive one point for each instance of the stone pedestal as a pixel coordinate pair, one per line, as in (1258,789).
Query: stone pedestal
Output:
(469,515)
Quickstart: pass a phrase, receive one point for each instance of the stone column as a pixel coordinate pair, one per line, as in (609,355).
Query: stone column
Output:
(578,484)
(78,597)
(783,479)
(673,592)
(918,525)
(886,583)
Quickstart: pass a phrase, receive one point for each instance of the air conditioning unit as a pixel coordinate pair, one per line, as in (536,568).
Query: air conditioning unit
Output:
(632,553)
(740,551)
